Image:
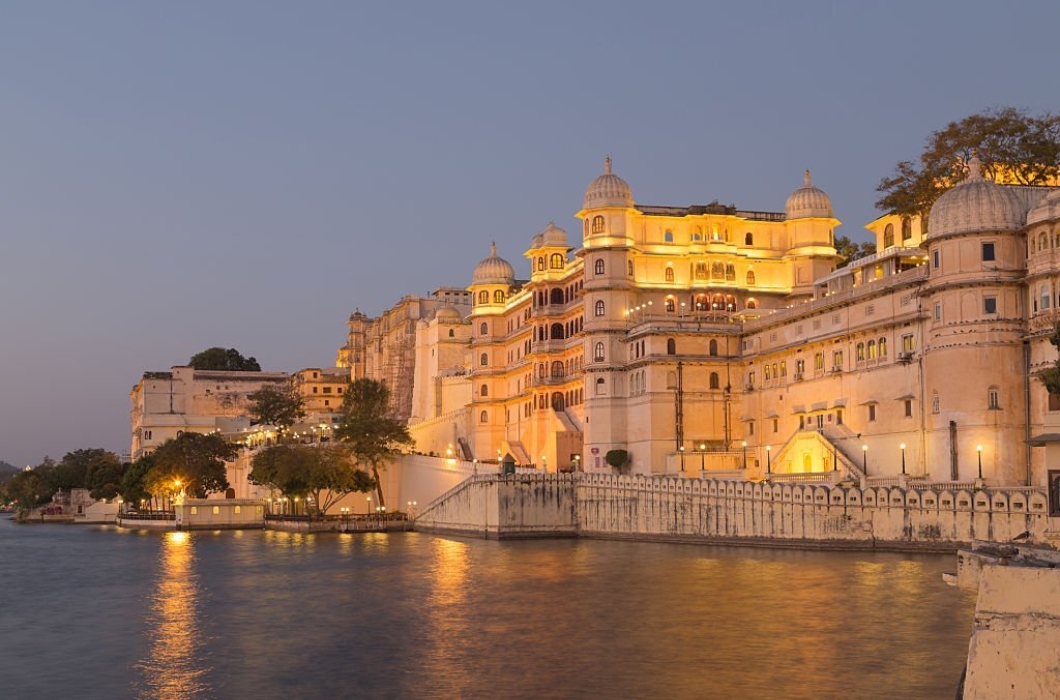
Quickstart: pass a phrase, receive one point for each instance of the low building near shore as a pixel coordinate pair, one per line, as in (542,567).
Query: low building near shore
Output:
(214,514)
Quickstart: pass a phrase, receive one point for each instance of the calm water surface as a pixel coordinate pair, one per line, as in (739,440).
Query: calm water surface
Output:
(90,612)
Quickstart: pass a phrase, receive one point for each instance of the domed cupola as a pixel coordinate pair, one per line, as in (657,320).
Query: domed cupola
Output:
(1047,210)
(976,204)
(553,236)
(448,314)
(808,202)
(608,190)
(493,270)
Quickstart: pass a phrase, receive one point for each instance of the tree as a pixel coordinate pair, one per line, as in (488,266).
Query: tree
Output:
(1014,146)
(196,460)
(278,406)
(368,429)
(617,458)
(852,251)
(133,488)
(325,472)
(230,360)
(95,469)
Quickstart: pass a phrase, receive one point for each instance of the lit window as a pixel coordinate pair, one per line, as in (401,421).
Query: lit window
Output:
(598,224)
(888,236)
(599,267)
(669,274)
(599,308)
(598,352)
(750,277)
(556,261)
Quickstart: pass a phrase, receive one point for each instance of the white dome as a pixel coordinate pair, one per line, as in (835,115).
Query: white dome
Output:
(808,202)
(448,313)
(493,270)
(537,241)
(553,236)
(607,190)
(976,204)
(1047,210)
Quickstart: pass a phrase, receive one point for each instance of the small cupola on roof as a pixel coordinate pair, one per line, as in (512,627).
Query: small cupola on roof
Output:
(608,190)
(1047,210)
(976,204)
(493,270)
(447,313)
(553,236)
(808,202)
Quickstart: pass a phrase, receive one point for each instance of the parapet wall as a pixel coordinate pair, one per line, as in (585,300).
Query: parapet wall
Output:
(645,507)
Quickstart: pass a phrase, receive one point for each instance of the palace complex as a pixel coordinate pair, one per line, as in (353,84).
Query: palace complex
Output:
(711,339)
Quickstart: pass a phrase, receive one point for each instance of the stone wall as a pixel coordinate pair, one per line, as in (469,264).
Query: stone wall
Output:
(643,507)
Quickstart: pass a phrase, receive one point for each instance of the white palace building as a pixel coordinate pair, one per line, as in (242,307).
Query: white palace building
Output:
(711,340)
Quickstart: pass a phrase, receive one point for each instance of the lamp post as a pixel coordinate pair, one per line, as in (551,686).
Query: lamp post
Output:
(577,463)
(702,457)
(902,447)
(681,451)
(368,510)
(979,451)
(865,459)
(745,455)
(474,466)
(769,459)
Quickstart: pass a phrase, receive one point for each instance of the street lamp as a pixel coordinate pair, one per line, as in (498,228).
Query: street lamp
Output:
(474,466)
(368,511)
(979,450)
(702,456)
(681,451)
(745,455)
(769,459)
(865,459)
(902,447)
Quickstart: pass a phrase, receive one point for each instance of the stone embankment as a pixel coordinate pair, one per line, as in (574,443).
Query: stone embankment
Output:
(737,512)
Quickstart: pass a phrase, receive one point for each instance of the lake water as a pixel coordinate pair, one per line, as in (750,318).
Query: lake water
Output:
(92,612)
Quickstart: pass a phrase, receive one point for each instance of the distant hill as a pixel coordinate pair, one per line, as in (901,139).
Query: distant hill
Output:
(7,469)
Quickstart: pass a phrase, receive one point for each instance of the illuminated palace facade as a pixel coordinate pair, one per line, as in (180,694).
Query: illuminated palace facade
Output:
(714,339)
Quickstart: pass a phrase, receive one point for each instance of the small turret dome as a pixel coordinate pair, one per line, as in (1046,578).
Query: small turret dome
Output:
(976,204)
(808,202)
(537,241)
(448,314)
(553,236)
(608,190)
(493,270)
(1047,210)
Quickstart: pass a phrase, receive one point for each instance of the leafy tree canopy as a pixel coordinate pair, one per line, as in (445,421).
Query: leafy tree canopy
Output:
(194,459)
(325,472)
(852,250)
(218,358)
(279,406)
(368,429)
(1015,147)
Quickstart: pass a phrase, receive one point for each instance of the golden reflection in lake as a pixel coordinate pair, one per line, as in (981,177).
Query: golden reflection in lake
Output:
(175,666)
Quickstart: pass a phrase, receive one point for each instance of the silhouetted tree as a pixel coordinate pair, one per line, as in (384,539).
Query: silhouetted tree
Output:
(367,427)
(218,358)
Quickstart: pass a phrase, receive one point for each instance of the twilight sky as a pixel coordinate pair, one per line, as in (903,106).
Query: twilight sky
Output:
(180,175)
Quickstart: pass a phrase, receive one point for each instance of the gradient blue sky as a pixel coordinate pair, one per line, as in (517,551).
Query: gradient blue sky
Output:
(180,175)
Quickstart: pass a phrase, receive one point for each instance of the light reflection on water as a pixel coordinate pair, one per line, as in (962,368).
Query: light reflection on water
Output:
(269,614)
(175,667)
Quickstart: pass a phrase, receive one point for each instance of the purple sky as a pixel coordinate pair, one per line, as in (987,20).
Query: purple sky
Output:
(180,175)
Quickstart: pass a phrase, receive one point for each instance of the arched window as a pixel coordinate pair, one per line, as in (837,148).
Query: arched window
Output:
(717,302)
(752,304)
(730,272)
(860,352)
(557,401)
(541,264)
(484,329)
(730,303)
(882,346)
(598,352)
(668,236)
(629,267)
(712,348)
(556,261)
(598,224)
(1046,297)
(717,271)
(669,274)
(715,381)
(671,305)
(907,228)
(671,346)
(601,387)
(484,417)
(556,297)
(599,266)
(484,390)
(749,238)
(750,277)
(872,349)
(701,271)
(557,369)
(599,308)
(556,331)
(1043,241)
(484,360)
(768,373)
(483,297)
(702,302)
(697,233)
(888,235)
(498,297)
(451,333)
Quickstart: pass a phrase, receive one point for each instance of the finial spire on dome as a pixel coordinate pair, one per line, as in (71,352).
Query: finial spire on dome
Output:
(806,178)
(607,164)
(493,249)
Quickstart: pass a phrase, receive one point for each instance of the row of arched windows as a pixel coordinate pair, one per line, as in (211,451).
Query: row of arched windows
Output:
(499,297)
(557,295)
(871,350)
(556,261)
(888,232)
(1044,241)
(560,331)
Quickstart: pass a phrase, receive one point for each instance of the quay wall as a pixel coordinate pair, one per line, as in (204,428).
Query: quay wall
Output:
(720,511)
